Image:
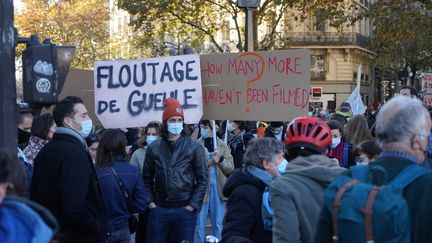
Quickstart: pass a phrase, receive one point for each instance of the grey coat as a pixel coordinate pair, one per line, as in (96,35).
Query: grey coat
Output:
(297,197)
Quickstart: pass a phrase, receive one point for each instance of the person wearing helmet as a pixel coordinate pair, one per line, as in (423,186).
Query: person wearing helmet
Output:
(297,195)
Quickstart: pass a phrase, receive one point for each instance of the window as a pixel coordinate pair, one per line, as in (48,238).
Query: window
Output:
(317,67)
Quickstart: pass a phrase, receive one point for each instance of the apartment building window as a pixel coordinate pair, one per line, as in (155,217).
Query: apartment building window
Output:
(317,67)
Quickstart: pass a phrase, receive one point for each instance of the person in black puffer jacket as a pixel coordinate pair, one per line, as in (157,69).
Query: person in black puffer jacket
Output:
(245,187)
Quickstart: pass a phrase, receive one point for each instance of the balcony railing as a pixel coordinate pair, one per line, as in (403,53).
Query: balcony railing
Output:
(327,38)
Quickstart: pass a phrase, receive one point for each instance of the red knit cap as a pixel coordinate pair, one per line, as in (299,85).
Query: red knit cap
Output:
(172,108)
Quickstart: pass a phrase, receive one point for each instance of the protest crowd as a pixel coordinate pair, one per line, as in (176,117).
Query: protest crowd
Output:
(331,176)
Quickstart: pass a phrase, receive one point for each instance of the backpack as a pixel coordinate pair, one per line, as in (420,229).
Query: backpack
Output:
(363,212)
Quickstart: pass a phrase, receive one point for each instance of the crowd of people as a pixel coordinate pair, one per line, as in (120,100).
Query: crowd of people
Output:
(313,179)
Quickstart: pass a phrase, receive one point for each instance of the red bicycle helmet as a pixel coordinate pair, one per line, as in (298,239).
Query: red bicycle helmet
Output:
(308,132)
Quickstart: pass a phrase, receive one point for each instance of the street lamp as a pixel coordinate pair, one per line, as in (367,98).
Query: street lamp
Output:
(249,5)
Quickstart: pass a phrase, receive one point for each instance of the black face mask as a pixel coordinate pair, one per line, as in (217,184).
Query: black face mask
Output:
(23,136)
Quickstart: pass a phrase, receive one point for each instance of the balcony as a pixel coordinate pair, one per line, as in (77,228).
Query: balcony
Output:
(327,38)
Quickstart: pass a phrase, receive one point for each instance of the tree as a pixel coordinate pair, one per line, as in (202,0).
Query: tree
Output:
(193,22)
(402,34)
(82,23)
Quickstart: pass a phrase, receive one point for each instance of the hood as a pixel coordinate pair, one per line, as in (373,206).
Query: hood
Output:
(26,221)
(316,167)
(239,177)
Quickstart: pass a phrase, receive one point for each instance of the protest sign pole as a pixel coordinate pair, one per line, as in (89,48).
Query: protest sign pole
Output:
(213,123)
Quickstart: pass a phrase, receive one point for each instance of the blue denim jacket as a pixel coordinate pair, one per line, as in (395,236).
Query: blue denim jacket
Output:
(116,206)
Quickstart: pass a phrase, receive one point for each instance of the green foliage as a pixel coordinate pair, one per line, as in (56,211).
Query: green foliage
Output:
(191,22)
(402,33)
(82,23)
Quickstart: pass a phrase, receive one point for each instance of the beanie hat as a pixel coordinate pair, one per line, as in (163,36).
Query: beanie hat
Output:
(345,106)
(172,108)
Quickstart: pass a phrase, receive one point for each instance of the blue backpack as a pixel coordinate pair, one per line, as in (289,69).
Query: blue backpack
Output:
(363,212)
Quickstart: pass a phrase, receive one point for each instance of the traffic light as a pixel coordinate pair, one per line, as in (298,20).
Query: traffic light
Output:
(45,67)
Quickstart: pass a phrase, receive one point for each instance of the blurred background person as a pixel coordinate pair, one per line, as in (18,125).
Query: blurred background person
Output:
(335,150)
(220,164)
(151,134)
(42,130)
(24,124)
(121,184)
(92,142)
(277,130)
(366,152)
(356,131)
(241,135)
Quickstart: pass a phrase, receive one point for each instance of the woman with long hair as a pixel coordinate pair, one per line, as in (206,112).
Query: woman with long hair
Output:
(121,184)
(42,130)
(151,133)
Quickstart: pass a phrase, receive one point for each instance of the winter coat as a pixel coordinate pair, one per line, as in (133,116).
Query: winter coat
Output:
(117,209)
(243,221)
(297,197)
(223,168)
(175,173)
(65,182)
(25,221)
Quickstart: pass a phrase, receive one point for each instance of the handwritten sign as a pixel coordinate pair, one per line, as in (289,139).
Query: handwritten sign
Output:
(427,88)
(271,85)
(132,93)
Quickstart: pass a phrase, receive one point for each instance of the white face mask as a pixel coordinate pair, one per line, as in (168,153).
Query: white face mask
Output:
(230,127)
(335,142)
(174,129)
(150,139)
(86,127)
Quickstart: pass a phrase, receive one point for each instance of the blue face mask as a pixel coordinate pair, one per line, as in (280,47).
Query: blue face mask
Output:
(150,139)
(204,133)
(86,128)
(174,129)
(282,166)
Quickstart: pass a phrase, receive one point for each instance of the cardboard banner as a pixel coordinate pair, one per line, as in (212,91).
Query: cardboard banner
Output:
(269,86)
(132,93)
(427,88)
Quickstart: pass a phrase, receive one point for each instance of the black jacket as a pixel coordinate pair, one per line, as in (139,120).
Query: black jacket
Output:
(418,195)
(243,220)
(175,173)
(64,181)
(269,132)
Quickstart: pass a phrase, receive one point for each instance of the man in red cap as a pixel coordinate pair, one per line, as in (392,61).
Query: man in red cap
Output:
(175,175)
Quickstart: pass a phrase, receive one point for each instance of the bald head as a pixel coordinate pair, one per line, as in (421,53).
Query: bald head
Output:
(401,118)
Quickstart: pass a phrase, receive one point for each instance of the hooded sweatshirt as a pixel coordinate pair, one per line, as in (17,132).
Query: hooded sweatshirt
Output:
(297,197)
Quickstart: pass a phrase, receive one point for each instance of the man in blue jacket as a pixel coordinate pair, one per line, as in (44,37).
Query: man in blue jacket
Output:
(175,175)
(64,178)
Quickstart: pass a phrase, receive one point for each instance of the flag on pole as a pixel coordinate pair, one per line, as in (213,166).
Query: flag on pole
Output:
(355,100)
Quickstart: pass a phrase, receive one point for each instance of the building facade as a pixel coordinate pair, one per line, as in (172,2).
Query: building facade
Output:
(336,54)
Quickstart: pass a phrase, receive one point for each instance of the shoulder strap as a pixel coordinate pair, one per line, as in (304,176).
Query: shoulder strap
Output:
(360,172)
(122,188)
(408,175)
(345,154)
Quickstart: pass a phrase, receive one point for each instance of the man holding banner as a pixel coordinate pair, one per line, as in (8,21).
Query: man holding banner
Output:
(175,175)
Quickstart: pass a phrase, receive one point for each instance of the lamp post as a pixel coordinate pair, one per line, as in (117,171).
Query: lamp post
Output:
(249,6)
